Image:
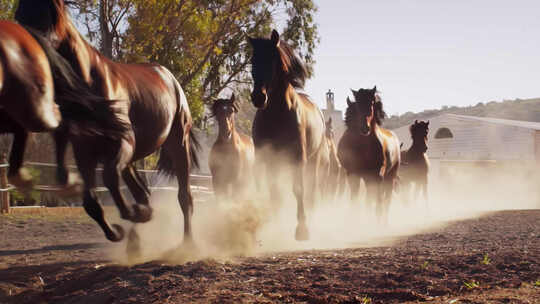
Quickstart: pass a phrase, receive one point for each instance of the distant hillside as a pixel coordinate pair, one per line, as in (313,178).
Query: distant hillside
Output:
(519,109)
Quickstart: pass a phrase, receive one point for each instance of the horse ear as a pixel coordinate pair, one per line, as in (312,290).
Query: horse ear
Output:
(415,121)
(275,37)
(355,93)
(427,123)
(349,103)
(374,89)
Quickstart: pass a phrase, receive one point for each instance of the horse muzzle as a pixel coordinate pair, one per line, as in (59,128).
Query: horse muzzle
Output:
(259,98)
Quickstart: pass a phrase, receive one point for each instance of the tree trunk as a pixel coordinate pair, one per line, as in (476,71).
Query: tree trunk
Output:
(106,35)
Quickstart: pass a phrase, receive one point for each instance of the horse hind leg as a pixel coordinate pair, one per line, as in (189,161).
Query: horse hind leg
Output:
(178,161)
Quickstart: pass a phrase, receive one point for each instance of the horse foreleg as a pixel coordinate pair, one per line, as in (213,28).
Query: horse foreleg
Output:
(140,193)
(112,172)
(17,176)
(302,233)
(354,186)
(87,166)
(60,136)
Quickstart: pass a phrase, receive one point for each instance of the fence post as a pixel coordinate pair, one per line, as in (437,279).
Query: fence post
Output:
(4,194)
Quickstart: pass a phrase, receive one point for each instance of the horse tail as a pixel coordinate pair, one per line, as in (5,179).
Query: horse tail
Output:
(85,112)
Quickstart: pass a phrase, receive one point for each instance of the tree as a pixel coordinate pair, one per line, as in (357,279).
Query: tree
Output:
(202,42)
(7,8)
(104,22)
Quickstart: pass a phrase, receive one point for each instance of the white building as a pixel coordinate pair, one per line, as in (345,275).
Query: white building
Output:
(337,116)
(459,140)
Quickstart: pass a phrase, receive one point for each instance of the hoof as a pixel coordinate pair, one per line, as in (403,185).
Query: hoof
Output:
(142,214)
(22,180)
(302,233)
(117,233)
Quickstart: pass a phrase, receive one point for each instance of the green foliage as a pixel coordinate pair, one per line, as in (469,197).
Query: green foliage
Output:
(486,260)
(203,43)
(7,8)
(471,285)
(424,265)
(528,110)
(537,283)
(33,195)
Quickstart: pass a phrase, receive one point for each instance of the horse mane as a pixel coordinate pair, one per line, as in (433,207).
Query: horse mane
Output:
(88,113)
(292,65)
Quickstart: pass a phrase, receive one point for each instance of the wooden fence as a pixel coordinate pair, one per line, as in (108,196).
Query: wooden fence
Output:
(200,184)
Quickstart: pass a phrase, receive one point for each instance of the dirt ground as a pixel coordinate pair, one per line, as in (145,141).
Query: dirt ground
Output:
(491,259)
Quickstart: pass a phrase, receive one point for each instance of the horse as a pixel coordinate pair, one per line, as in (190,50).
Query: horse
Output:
(39,92)
(232,156)
(415,163)
(332,184)
(149,102)
(369,151)
(288,128)
(26,95)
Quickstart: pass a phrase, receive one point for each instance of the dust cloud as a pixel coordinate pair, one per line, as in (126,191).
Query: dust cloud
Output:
(229,229)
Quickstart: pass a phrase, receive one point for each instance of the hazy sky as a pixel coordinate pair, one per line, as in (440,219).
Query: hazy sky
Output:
(425,54)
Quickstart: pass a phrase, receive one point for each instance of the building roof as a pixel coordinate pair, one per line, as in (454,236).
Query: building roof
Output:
(515,123)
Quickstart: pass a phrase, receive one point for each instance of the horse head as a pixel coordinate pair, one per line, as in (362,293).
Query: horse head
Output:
(365,111)
(419,132)
(49,17)
(224,110)
(273,65)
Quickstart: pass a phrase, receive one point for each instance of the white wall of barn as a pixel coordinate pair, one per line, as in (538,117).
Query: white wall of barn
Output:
(476,140)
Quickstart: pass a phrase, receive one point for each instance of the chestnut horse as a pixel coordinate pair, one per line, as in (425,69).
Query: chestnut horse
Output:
(232,155)
(368,151)
(288,129)
(333,184)
(30,73)
(26,95)
(415,163)
(151,104)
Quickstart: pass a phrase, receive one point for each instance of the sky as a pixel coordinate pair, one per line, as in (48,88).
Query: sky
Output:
(423,54)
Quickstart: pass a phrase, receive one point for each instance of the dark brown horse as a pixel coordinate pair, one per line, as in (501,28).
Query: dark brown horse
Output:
(32,77)
(415,163)
(288,129)
(232,156)
(335,179)
(151,104)
(368,151)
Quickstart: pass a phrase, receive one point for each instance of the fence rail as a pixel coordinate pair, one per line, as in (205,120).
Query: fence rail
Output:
(202,183)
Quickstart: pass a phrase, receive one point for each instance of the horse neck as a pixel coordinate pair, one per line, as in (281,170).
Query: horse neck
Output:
(80,51)
(415,151)
(283,97)
(226,134)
